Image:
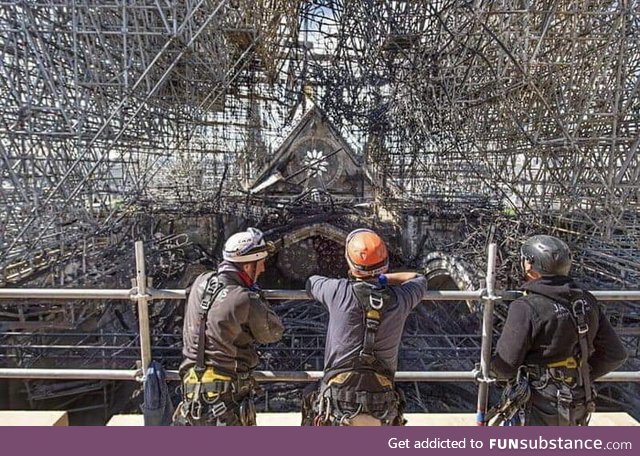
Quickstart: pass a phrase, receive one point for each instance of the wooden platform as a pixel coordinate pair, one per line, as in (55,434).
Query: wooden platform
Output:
(469,419)
(414,419)
(33,418)
(126,420)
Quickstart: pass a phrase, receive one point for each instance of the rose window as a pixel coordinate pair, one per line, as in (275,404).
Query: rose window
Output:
(315,162)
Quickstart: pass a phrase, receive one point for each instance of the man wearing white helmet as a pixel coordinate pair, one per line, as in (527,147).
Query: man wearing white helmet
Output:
(226,316)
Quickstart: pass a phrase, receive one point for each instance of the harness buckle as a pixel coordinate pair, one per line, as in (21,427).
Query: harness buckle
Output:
(579,312)
(367,358)
(376,302)
(579,307)
(218,408)
(564,396)
(196,404)
(199,373)
(372,324)
(243,376)
(561,375)
(196,410)
(211,291)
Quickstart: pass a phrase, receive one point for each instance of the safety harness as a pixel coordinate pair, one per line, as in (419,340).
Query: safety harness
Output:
(580,314)
(562,376)
(205,390)
(361,384)
(559,373)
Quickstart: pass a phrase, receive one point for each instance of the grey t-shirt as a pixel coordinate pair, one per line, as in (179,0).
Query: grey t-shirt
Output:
(346,319)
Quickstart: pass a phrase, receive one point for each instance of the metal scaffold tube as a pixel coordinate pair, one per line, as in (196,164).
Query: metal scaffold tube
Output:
(275,295)
(264,376)
(143,307)
(431,295)
(39,293)
(487,333)
(454,125)
(70,374)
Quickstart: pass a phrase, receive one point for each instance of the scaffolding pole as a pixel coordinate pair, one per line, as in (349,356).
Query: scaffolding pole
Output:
(487,333)
(143,307)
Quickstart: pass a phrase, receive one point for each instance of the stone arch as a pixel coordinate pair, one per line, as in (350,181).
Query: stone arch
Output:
(312,249)
(317,229)
(442,268)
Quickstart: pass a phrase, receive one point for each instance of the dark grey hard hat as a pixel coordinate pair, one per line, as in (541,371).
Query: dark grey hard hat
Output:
(548,255)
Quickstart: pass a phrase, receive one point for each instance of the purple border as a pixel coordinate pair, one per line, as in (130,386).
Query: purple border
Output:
(282,441)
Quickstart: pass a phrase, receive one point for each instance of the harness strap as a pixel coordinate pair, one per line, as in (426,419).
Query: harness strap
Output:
(579,313)
(211,291)
(564,400)
(372,302)
(372,323)
(560,370)
(363,397)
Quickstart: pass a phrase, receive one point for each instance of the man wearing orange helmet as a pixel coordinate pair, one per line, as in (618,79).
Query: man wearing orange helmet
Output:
(367,313)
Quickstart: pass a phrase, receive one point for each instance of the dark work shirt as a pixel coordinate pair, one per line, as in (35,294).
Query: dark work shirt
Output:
(237,319)
(540,330)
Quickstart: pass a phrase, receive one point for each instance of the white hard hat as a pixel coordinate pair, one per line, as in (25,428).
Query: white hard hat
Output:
(247,246)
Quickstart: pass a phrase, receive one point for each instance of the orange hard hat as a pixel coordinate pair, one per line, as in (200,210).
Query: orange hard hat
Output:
(366,253)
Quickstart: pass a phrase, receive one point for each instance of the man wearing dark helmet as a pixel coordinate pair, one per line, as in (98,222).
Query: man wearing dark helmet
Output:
(556,339)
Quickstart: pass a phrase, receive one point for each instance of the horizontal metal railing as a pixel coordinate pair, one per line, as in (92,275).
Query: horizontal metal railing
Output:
(87,293)
(261,376)
(143,295)
(275,295)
